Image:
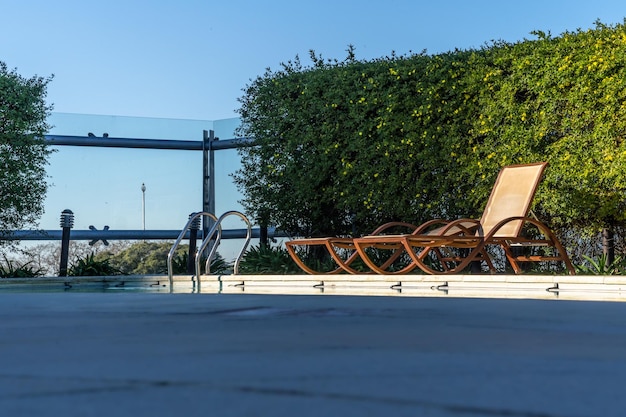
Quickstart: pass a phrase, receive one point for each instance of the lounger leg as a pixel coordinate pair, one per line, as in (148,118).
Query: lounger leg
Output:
(303,266)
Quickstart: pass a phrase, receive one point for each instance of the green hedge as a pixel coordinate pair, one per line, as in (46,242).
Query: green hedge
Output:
(346,146)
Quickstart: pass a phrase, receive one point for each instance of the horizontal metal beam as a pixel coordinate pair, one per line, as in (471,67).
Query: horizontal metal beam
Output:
(232,143)
(108,142)
(123,234)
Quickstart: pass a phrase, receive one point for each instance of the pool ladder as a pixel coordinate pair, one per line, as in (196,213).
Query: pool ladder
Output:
(216,231)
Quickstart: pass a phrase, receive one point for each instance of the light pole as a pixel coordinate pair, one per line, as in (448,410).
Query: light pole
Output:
(143,205)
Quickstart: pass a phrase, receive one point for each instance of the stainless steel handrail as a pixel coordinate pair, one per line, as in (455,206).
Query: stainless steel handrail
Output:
(208,237)
(192,218)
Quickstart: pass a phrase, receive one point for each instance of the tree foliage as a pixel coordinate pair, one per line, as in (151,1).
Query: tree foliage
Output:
(345,146)
(562,99)
(23,152)
(151,258)
(122,257)
(349,145)
(140,257)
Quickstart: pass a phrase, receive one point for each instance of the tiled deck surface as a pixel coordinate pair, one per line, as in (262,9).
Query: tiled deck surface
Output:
(217,353)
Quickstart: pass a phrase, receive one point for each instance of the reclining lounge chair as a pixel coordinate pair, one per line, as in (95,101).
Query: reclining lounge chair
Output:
(342,250)
(502,224)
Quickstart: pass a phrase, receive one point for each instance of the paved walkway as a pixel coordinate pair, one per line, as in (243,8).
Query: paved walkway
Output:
(137,354)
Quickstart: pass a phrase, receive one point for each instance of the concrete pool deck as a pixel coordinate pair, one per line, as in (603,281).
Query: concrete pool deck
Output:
(122,353)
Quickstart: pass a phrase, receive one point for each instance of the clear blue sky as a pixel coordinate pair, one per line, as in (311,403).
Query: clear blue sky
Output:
(190,59)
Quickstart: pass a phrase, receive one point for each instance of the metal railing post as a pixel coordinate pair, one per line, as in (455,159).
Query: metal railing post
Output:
(208,179)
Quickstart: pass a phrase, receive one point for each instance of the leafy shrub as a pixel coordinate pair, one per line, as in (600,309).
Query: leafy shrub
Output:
(23,153)
(346,146)
(88,266)
(12,270)
(267,259)
(218,264)
(601,266)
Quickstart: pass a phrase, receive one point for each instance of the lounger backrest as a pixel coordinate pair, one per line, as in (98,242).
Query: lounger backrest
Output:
(511,196)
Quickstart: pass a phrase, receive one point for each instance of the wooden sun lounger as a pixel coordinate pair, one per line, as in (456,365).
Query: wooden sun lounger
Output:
(502,224)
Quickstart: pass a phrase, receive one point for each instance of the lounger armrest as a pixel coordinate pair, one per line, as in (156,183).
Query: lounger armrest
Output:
(543,228)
